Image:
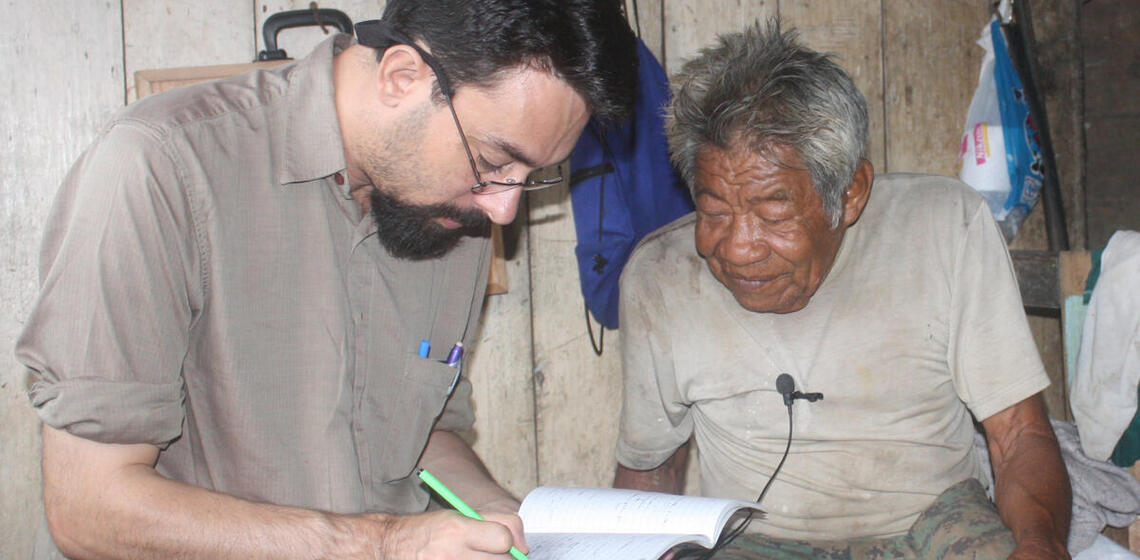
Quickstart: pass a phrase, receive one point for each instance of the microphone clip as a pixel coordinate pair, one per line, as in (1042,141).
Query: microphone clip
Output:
(809,397)
(786,386)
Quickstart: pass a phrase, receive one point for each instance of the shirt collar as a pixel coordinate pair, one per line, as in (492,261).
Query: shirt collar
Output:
(313,146)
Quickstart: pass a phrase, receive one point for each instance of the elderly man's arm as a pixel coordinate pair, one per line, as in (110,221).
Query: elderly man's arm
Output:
(667,477)
(107,501)
(1031,485)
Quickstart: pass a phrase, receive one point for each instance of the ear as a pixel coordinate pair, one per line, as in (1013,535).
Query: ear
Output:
(401,73)
(857,193)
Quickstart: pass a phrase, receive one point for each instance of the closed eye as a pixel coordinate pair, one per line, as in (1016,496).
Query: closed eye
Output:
(491,168)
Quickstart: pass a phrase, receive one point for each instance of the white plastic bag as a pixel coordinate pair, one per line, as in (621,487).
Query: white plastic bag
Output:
(999,154)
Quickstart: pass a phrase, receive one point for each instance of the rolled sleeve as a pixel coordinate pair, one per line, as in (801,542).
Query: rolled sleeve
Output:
(119,284)
(96,409)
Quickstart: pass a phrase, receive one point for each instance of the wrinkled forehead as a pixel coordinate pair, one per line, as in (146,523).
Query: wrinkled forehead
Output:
(741,163)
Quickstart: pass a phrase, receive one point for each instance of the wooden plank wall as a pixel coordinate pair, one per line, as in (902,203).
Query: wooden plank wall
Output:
(63,77)
(546,405)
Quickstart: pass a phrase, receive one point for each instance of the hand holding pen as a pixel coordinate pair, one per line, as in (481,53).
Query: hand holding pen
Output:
(460,506)
(439,535)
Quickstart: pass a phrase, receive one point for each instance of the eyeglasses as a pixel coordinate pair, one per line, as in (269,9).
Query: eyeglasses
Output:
(483,186)
(382,32)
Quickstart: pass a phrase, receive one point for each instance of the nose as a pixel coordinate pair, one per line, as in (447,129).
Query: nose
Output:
(500,207)
(744,243)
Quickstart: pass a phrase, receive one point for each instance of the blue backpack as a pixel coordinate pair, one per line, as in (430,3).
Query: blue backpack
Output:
(622,187)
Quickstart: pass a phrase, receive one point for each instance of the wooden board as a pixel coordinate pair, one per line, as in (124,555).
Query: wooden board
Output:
(852,30)
(148,82)
(693,24)
(931,67)
(1057,54)
(500,373)
(577,394)
(648,24)
(173,34)
(63,78)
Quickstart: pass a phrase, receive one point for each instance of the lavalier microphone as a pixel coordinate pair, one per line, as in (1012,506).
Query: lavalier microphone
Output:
(786,386)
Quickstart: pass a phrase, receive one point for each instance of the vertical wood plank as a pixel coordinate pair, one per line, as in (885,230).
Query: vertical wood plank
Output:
(931,67)
(500,373)
(651,15)
(693,24)
(170,34)
(852,30)
(577,394)
(300,41)
(64,77)
(1060,83)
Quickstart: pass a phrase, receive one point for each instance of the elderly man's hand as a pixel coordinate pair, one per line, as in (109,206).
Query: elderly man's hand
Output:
(1040,548)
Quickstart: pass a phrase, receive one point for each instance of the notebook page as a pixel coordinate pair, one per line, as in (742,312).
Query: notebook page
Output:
(588,546)
(550,509)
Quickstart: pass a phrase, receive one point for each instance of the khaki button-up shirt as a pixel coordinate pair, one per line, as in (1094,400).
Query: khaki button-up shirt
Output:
(210,288)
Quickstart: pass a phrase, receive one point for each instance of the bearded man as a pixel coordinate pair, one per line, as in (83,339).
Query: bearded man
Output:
(251,288)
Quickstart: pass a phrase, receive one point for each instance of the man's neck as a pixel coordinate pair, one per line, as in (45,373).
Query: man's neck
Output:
(353,68)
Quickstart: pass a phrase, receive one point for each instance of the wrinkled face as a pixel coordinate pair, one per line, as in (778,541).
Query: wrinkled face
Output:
(761,227)
(424,204)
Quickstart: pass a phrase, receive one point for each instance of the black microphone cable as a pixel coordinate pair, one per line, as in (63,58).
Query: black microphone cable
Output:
(786,386)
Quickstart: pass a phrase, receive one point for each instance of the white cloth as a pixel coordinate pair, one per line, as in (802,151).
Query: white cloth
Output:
(1104,549)
(918,324)
(1102,390)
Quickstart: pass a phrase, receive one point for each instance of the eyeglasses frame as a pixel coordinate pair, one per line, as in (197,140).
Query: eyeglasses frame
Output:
(482,186)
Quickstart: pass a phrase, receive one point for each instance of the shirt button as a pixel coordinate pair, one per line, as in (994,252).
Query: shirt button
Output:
(338,178)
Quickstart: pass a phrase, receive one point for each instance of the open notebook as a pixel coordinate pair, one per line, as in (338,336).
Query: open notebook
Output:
(592,523)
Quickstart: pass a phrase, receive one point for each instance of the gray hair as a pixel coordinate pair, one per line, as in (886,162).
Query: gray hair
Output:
(762,88)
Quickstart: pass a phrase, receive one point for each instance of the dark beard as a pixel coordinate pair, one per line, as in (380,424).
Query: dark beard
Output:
(409,231)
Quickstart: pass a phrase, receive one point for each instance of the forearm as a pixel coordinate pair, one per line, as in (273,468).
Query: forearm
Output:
(1032,491)
(159,518)
(129,511)
(1031,485)
(452,461)
(668,477)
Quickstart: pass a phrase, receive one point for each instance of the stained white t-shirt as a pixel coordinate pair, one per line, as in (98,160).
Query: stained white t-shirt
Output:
(918,324)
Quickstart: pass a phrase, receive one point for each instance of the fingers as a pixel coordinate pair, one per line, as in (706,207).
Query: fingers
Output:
(514,524)
(492,535)
(445,535)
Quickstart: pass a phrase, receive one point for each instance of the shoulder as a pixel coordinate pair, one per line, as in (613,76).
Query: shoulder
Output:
(235,96)
(669,243)
(909,202)
(912,191)
(666,256)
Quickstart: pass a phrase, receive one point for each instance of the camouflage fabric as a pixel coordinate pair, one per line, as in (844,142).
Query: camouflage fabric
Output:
(961,524)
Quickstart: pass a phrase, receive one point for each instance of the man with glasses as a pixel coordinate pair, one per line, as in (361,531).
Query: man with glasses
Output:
(251,288)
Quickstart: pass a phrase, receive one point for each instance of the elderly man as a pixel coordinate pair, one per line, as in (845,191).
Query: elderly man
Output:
(252,288)
(897,303)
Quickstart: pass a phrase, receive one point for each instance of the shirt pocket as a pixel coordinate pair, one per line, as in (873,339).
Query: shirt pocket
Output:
(413,407)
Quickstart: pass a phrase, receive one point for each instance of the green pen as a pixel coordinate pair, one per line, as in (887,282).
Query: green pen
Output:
(459,505)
